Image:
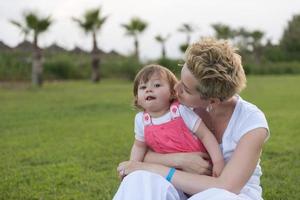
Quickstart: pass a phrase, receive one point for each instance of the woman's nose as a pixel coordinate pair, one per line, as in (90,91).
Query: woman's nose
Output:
(177,88)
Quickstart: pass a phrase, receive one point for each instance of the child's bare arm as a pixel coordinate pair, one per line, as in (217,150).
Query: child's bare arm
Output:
(138,151)
(212,147)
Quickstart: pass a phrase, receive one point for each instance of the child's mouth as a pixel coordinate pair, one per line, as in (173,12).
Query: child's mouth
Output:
(149,98)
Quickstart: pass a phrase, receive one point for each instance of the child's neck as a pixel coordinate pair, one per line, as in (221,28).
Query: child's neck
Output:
(157,114)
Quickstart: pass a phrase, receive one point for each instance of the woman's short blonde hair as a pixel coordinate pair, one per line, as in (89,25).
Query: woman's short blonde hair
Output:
(145,74)
(217,67)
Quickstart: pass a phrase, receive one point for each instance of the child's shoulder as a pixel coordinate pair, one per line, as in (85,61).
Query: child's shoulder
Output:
(185,108)
(179,105)
(139,116)
(186,111)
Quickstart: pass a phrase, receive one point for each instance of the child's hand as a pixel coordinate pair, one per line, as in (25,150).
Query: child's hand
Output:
(127,167)
(217,168)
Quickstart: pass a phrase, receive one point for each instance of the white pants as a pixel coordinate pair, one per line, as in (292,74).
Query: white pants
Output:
(143,185)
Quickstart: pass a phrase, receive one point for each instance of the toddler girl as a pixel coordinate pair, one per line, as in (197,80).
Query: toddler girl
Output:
(166,126)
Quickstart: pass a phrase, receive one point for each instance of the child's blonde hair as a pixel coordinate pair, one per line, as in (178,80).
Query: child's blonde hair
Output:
(145,74)
(217,67)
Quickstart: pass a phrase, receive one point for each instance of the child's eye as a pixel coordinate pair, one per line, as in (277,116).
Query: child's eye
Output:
(157,85)
(142,87)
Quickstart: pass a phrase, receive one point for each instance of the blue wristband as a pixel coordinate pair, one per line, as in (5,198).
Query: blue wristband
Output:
(170,174)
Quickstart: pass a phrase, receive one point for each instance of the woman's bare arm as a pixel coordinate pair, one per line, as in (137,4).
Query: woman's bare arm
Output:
(244,159)
(234,176)
(193,162)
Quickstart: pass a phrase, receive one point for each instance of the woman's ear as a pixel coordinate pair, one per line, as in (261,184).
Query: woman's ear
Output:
(214,101)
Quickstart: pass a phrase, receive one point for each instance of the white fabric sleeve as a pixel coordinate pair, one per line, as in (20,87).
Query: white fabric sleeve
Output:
(190,118)
(255,119)
(139,127)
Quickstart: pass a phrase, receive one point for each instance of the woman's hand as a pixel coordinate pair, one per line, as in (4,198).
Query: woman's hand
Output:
(127,167)
(195,162)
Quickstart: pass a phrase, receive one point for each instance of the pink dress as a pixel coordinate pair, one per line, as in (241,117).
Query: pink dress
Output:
(170,137)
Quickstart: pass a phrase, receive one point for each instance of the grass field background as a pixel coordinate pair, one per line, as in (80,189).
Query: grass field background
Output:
(65,140)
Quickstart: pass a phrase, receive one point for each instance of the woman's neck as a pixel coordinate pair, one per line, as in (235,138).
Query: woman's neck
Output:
(224,108)
(221,115)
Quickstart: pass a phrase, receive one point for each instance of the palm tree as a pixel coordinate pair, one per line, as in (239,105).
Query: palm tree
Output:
(188,29)
(23,28)
(37,25)
(162,40)
(134,28)
(242,39)
(91,23)
(257,47)
(223,31)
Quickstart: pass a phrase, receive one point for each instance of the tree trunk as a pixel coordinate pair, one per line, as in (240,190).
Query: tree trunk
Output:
(257,52)
(136,47)
(188,38)
(163,50)
(95,61)
(37,66)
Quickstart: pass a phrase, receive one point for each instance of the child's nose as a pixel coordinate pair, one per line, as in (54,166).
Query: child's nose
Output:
(148,89)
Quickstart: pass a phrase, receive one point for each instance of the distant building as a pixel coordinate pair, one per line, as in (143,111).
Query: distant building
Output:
(4,47)
(27,46)
(55,48)
(24,46)
(78,50)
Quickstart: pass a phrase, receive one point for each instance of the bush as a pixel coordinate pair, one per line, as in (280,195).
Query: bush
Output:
(120,67)
(273,68)
(15,65)
(66,66)
(173,65)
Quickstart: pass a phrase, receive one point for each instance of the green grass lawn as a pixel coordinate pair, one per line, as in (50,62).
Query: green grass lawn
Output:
(65,140)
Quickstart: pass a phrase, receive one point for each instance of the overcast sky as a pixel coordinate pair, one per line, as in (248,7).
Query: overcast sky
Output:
(163,17)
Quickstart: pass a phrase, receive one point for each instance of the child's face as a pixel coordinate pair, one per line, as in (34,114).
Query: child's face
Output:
(154,96)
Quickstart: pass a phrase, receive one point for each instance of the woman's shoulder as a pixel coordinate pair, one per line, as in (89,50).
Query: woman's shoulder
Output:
(247,117)
(247,114)
(247,108)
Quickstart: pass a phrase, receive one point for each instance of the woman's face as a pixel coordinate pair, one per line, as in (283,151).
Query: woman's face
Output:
(187,92)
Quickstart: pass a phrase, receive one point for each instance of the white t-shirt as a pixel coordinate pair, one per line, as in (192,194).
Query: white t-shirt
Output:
(191,119)
(245,117)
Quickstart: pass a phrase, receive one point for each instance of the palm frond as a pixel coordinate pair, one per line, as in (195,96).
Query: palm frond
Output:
(135,26)
(17,24)
(92,20)
(38,24)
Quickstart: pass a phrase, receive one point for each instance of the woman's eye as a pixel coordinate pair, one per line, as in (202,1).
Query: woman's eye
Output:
(186,91)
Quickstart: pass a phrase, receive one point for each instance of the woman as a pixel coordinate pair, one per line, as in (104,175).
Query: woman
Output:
(211,79)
